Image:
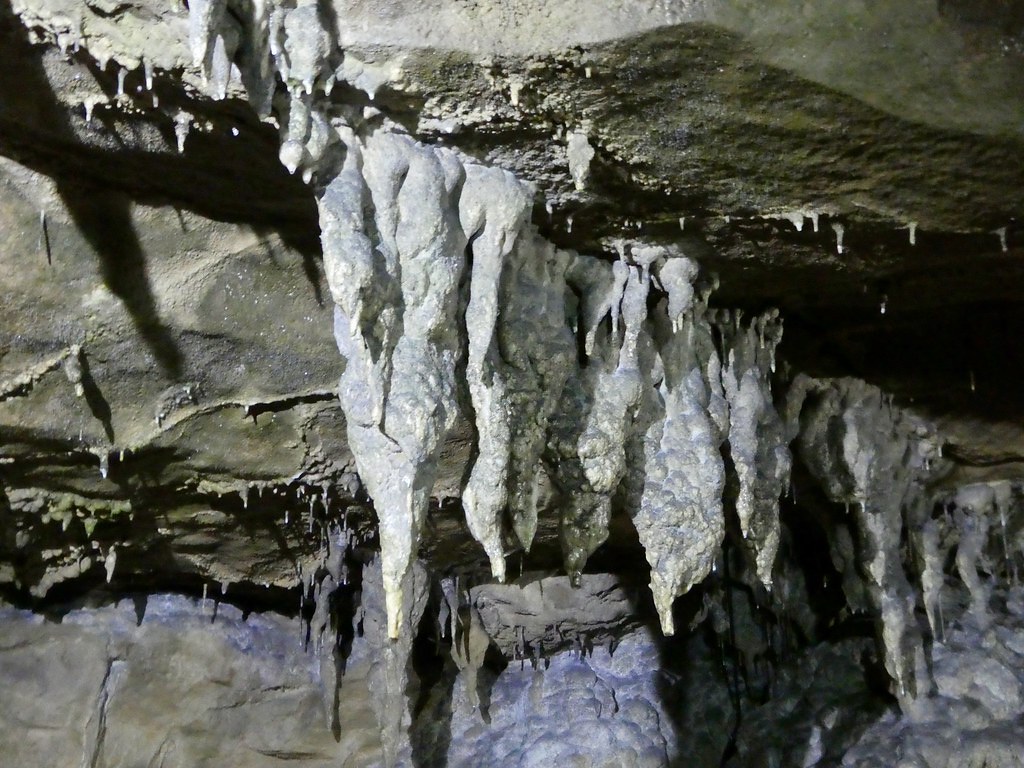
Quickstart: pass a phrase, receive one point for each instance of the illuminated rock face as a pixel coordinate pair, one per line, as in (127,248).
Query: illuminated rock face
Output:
(447,338)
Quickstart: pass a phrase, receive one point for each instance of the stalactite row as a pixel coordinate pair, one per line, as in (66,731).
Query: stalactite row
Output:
(592,386)
(442,285)
(906,546)
(257,45)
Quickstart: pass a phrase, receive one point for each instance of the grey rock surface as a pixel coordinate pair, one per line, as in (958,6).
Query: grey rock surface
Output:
(533,616)
(189,684)
(184,682)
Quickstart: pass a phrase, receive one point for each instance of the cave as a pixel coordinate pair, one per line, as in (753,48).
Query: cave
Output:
(451,383)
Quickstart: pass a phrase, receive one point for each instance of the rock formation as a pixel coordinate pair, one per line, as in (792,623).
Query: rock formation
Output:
(422,366)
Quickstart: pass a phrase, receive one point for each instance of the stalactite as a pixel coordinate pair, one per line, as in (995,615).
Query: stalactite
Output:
(758,444)
(973,526)
(593,428)
(932,578)
(680,521)
(469,646)
(397,301)
(514,309)
(679,517)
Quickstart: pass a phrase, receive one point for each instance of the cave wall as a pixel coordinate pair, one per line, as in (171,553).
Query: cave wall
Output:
(506,383)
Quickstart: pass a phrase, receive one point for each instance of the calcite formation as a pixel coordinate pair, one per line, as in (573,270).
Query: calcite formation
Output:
(876,459)
(465,294)
(523,241)
(396,324)
(758,443)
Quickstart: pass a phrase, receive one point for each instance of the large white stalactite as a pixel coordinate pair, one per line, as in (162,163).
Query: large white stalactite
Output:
(515,311)
(680,519)
(397,298)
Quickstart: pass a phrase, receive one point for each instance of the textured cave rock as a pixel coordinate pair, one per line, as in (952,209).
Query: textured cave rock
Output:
(161,678)
(164,678)
(485,383)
